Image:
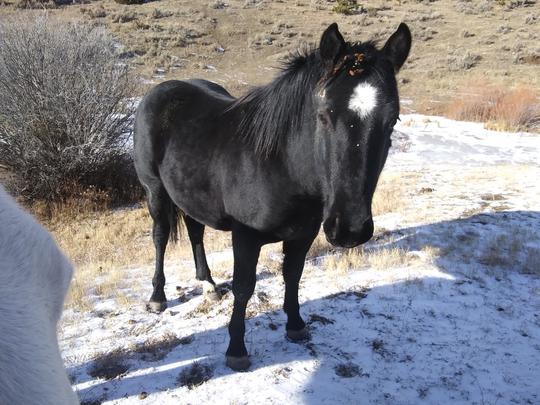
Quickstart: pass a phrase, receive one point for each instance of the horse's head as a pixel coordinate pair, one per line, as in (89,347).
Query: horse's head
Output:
(357,106)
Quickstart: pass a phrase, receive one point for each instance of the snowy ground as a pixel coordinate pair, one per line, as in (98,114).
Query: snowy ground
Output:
(458,321)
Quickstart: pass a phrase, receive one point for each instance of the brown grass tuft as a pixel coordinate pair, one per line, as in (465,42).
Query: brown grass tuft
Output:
(360,257)
(501,108)
(392,191)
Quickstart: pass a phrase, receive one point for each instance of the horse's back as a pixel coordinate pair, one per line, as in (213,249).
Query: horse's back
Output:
(175,111)
(34,279)
(178,101)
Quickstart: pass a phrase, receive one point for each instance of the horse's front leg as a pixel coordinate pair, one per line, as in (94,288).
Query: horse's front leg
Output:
(293,264)
(246,249)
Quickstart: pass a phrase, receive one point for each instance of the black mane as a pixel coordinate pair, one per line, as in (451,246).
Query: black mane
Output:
(269,113)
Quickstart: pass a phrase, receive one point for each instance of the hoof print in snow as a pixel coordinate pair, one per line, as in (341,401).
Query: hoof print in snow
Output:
(195,375)
(109,366)
(272,326)
(349,370)
(320,319)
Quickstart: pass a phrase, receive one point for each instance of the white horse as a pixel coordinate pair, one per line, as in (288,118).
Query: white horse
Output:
(34,279)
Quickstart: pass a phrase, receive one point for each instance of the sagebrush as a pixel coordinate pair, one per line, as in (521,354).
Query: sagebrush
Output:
(66,109)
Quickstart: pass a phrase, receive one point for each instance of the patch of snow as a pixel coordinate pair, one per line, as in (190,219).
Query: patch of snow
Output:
(457,322)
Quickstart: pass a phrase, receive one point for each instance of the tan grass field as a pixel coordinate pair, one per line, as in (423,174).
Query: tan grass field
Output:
(239,43)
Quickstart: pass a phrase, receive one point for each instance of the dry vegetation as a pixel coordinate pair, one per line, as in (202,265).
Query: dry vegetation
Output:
(392,193)
(358,258)
(102,243)
(501,108)
(453,40)
(65,109)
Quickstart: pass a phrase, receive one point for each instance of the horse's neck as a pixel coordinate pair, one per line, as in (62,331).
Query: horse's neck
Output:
(300,158)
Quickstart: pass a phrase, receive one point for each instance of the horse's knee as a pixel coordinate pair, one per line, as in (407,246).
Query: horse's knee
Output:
(243,293)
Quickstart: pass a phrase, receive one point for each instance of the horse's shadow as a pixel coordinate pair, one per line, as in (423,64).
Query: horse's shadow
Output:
(361,334)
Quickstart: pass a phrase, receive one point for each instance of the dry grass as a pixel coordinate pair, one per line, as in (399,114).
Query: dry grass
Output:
(509,251)
(224,30)
(102,243)
(501,108)
(357,258)
(156,349)
(393,192)
(109,365)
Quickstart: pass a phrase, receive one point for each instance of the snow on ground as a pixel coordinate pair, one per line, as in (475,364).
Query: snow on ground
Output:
(457,321)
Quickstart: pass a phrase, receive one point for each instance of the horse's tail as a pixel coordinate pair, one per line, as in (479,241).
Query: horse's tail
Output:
(175,225)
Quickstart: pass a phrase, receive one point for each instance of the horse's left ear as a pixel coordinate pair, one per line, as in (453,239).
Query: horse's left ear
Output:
(398,46)
(332,45)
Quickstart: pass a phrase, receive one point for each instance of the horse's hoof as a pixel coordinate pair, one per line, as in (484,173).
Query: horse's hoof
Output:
(212,296)
(210,292)
(156,307)
(301,335)
(238,363)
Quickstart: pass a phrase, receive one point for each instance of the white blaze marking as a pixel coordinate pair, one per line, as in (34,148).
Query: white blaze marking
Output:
(363,99)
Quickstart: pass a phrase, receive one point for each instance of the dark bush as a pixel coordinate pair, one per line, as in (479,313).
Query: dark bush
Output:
(346,7)
(65,110)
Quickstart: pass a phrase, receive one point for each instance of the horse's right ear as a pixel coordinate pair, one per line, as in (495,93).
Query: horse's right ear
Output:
(332,45)
(398,46)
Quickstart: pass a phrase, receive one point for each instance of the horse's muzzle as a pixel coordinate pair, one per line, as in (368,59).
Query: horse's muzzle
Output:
(342,236)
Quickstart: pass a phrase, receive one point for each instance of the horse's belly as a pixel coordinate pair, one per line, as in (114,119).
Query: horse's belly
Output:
(284,220)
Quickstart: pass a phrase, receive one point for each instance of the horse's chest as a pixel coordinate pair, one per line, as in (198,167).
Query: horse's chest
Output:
(296,222)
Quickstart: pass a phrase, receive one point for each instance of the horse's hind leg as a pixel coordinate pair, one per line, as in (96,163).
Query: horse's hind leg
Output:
(160,206)
(196,236)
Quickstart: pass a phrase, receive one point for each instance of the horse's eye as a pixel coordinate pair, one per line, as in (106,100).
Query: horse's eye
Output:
(324,118)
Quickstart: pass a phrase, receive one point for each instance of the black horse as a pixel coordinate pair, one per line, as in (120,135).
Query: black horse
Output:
(272,165)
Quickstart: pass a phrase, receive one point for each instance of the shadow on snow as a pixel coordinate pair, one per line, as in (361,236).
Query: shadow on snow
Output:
(467,337)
